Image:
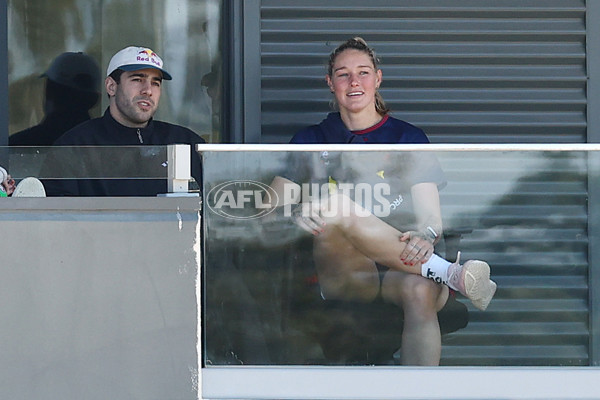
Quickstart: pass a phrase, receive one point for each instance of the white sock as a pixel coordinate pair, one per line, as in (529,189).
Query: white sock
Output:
(436,268)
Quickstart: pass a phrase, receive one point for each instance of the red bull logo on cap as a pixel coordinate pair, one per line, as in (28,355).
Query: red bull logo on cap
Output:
(148,55)
(133,57)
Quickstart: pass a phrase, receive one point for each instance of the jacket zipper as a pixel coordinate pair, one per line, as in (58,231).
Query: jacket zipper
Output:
(140,136)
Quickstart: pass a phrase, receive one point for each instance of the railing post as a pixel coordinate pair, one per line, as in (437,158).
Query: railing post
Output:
(179,167)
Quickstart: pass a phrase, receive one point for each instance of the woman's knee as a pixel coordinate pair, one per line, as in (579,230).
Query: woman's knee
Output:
(420,290)
(413,291)
(341,210)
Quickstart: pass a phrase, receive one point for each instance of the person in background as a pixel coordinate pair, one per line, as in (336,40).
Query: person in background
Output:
(7,183)
(362,257)
(72,90)
(28,187)
(134,81)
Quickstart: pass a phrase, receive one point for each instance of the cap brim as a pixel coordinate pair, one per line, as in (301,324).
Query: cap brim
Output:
(135,67)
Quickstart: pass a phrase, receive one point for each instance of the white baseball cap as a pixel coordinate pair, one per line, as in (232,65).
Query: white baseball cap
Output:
(133,58)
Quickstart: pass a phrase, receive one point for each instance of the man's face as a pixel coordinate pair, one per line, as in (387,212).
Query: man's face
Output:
(135,99)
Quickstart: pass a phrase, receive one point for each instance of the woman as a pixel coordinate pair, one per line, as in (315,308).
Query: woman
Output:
(359,256)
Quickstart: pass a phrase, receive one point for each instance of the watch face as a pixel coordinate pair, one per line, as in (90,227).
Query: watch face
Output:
(431,232)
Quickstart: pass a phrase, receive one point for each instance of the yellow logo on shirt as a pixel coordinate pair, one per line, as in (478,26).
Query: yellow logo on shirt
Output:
(332,185)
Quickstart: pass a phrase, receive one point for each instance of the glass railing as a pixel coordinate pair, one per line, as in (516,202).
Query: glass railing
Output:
(108,292)
(106,170)
(283,307)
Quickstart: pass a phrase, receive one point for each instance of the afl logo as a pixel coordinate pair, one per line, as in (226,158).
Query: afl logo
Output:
(243,199)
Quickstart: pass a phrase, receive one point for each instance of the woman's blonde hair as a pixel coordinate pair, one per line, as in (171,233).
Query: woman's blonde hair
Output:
(358,43)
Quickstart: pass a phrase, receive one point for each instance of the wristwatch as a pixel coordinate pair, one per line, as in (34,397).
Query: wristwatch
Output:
(431,233)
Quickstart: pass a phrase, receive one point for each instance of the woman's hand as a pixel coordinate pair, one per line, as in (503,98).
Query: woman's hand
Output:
(307,216)
(419,248)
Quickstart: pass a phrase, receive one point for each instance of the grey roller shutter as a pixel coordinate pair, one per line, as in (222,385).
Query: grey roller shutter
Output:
(468,72)
(464,71)
(534,233)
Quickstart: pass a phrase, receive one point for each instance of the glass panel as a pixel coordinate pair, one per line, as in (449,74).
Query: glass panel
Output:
(106,170)
(277,295)
(59,95)
(70,162)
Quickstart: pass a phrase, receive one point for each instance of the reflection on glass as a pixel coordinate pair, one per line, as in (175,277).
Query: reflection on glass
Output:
(185,33)
(73,162)
(105,170)
(72,89)
(524,212)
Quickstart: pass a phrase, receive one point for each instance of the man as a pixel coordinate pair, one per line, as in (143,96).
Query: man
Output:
(133,85)
(72,89)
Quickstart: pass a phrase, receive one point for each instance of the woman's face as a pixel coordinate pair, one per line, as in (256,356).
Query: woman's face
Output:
(354,81)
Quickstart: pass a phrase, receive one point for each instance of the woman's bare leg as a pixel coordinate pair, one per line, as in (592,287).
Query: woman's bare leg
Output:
(372,237)
(345,255)
(381,243)
(421,299)
(348,248)
(346,274)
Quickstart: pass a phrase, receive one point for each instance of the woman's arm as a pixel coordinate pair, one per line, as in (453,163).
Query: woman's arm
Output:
(420,243)
(426,200)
